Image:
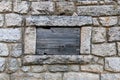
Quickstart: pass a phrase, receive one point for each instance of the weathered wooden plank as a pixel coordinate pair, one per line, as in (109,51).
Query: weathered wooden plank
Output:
(58,51)
(58,41)
(57,35)
(56,45)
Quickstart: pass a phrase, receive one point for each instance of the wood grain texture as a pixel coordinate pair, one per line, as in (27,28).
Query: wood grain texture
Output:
(58,41)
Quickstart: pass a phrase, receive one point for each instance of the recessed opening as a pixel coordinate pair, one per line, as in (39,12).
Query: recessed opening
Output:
(58,41)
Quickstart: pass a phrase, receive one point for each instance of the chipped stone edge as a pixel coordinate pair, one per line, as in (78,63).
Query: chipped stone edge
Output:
(58,59)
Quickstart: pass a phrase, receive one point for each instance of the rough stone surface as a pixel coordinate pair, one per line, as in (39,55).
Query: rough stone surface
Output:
(58,68)
(108,21)
(10,34)
(86,2)
(114,34)
(67,8)
(92,68)
(98,10)
(58,59)
(16,50)
(37,69)
(5,6)
(4,49)
(110,76)
(21,7)
(85,40)
(96,22)
(98,35)
(2,64)
(4,76)
(26,76)
(58,20)
(118,45)
(53,76)
(13,65)
(112,64)
(26,68)
(30,40)
(13,19)
(105,49)
(1,20)
(45,7)
(80,76)
(74,68)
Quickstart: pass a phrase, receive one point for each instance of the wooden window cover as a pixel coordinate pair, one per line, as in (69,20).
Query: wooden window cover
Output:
(58,41)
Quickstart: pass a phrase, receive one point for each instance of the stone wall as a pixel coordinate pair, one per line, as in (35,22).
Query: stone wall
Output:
(98,20)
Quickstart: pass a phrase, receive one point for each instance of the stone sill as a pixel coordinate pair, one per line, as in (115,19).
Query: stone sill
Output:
(58,59)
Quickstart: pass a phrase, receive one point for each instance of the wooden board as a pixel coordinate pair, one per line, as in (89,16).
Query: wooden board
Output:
(58,41)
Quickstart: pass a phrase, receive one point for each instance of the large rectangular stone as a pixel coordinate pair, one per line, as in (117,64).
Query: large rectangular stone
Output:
(10,34)
(5,6)
(58,59)
(114,34)
(110,76)
(26,76)
(92,68)
(112,64)
(45,7)
(85,40)
(58,68)
(21,6)
(98,10)
(105,49)
(30,40)
(65,8)
(1,20)
(118,45)
(98,34)
(108,21)
(58,20)
(2,64)
(80,76)
(53,76)
(4,50)
(13,19)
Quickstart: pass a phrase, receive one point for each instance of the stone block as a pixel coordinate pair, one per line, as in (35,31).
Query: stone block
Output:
(110,76)
(114,34)
(98,35)
(85,40)
(15,50)
(2,64)
(65,8)
(101,10)
(13,19)
(112,64)
(4,50)
(108,21)
(92,68)
(105,49)
(45,7)
(21,6)
(80,76)
(58,21)
(58,68)
(30,40)
(5,6)
(10,34)
(53,76)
